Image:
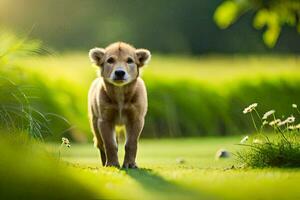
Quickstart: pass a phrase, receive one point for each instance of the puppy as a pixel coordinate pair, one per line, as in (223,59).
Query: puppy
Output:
(118,97)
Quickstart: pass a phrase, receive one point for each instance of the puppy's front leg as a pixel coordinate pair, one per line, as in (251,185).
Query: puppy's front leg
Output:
(110,144)
(133,130)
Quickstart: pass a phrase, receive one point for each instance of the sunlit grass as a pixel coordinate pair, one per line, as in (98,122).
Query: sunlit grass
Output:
(160,152)
(28,171)
(200,176)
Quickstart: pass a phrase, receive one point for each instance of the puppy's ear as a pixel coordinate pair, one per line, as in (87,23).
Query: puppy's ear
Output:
(143,56)
(96,55)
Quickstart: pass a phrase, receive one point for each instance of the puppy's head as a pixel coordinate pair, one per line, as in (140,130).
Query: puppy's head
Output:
(119,62)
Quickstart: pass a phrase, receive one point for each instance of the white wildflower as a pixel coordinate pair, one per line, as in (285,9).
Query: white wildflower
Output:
(250,108)
(265,122)
(246,110)
(66,142)
(281,123)
(291,127)
(294,105)
(269,113)
(297,126)
(274,122)
(290,119)
(245,139)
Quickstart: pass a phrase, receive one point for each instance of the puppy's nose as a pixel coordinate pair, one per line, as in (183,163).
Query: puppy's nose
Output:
(119,73)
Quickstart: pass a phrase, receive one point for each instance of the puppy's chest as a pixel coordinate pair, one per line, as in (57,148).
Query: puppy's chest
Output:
(120,109)
(124,107)
(123,111)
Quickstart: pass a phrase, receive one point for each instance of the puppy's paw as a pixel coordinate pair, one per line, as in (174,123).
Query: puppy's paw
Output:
(130,165)
(112,164)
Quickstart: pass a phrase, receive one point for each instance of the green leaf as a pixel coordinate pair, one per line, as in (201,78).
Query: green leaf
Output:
(226,14)
(271,35)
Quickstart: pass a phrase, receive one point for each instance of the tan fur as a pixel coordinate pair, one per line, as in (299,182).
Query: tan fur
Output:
(114,102)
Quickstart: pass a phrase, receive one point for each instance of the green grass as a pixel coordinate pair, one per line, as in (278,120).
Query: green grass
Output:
(283,150)
(201,176)
(28,172)
(217,87)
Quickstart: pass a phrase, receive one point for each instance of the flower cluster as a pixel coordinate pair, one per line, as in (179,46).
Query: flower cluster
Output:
(288,120)
(294,127)
(274,122)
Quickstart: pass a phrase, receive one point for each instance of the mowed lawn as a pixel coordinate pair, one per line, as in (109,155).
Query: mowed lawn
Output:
(181,169)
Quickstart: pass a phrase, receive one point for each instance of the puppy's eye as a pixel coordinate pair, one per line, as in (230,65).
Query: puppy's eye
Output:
(110,60)
(129,61)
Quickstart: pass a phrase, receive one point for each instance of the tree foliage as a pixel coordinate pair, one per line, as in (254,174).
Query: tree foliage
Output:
(176,26)
(269,14)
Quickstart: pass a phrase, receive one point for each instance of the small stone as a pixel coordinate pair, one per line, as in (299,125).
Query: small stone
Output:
(222,153)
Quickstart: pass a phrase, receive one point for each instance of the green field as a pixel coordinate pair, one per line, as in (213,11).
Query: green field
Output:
(161,176)
(188,97)
(218,87)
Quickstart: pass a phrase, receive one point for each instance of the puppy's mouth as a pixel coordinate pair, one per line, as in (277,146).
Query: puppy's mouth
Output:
(119,80)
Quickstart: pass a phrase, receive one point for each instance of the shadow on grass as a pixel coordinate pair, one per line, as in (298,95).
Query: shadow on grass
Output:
(158,186)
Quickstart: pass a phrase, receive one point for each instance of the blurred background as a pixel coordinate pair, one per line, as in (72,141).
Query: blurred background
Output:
(211,58)
(181,27)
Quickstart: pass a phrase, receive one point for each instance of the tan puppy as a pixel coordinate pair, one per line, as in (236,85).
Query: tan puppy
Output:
(118,97)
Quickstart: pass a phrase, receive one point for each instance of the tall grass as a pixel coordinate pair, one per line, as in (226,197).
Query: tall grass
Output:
(16,113)
(17,96)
